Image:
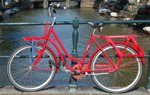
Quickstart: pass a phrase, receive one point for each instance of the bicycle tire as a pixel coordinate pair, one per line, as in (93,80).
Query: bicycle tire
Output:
(23,77)
(121,80)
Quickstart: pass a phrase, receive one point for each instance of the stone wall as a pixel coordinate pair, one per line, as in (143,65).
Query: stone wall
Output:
(87,3)
(95,3)
(70,3)
(90,3)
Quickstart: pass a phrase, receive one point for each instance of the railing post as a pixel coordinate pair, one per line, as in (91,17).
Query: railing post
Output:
(148,80)
(73,82)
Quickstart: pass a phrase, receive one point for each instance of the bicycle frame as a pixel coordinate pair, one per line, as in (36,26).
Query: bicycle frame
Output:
(129,41)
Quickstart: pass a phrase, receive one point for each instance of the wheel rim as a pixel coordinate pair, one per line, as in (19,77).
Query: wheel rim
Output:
(26,78)
(122,79)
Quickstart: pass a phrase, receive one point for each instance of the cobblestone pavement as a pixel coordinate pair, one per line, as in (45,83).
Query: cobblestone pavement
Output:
(9,90)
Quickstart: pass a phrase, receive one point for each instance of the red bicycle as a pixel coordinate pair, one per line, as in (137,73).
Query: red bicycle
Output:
(115,66)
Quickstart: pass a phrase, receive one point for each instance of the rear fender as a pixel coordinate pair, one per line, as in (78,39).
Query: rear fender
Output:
(137,49)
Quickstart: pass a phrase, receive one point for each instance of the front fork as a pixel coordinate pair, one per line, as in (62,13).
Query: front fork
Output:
(32,53)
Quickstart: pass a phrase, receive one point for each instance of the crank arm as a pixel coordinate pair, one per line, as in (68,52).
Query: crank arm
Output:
(95,74)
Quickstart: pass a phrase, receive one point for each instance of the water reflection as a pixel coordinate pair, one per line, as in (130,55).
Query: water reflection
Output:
(11,35)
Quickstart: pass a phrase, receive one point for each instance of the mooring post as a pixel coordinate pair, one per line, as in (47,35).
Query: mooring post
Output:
(73,82)
(148,80)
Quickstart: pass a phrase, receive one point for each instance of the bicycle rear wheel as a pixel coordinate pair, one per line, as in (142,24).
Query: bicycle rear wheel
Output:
(121,80)
(21,73)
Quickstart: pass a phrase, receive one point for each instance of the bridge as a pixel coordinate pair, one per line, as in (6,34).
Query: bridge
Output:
(71,3)
(47,0)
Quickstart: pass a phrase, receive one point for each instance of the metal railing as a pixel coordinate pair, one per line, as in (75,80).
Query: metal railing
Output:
(75,23)
(80,22)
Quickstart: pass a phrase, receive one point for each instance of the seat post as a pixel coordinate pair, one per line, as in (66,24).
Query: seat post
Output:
(32,50)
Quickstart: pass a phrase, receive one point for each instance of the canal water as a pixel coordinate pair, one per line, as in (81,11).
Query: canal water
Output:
(11,36)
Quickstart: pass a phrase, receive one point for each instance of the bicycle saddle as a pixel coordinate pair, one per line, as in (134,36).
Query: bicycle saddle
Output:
(96,25)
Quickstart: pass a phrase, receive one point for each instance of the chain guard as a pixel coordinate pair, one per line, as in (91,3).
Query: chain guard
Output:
(77,75)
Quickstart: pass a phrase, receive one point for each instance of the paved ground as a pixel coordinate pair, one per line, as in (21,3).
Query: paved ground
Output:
(60,86)
(9,90)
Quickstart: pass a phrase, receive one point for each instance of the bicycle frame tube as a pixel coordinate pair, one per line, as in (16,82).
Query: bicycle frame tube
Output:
(47,38)
(109,40)
(128,38)
(81,61)
(93,36)
(60,45)
(69,56)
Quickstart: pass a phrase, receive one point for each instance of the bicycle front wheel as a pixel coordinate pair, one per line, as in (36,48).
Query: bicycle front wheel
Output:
(21,73)
(124,78)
